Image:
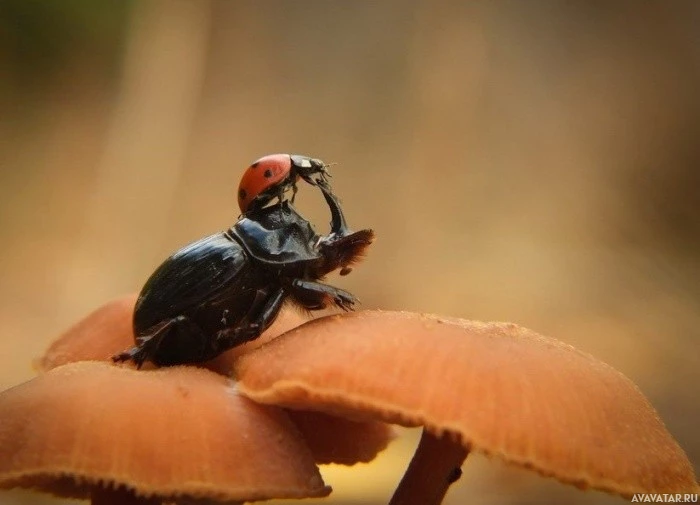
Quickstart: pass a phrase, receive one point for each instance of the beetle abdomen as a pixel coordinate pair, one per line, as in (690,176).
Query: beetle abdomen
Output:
(199,271)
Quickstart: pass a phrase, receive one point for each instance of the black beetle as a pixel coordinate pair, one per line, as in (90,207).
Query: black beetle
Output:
(226,289)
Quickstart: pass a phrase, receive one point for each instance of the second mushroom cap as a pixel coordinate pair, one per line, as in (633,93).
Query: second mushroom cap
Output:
(500,388)
(173,433)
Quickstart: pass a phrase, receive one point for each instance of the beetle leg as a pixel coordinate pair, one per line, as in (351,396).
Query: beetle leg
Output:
(316,296)
(136,354)
(147,345)
(179,340)
(259,320)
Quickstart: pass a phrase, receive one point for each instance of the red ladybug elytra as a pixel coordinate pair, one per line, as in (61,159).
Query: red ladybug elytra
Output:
(272,175)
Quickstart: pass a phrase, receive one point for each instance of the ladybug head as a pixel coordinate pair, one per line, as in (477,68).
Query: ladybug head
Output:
(306,167)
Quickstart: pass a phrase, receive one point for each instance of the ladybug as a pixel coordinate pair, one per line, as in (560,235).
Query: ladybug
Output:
(226,289)
(272,175)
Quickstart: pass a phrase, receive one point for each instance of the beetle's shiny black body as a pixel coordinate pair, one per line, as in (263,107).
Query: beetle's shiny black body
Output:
(226,289)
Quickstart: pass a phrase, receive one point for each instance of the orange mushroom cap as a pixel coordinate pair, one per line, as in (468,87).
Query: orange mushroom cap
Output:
(94,337)
(108,330)
(499,388)
(172,433)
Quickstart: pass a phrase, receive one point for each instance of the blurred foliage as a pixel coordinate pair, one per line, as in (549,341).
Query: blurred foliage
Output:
(39,38)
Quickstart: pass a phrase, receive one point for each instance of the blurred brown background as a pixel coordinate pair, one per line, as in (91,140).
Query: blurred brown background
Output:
(535,162)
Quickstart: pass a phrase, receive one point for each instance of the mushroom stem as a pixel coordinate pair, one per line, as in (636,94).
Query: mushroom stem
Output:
(121,496)
(435,465)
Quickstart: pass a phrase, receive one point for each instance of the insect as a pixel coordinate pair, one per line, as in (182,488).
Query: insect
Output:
(226,289)
(272,175)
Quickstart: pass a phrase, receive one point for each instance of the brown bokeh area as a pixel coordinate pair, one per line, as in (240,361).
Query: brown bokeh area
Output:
(533,162)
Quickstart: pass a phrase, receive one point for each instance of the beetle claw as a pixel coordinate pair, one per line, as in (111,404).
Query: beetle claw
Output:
(345,302)
(135,354)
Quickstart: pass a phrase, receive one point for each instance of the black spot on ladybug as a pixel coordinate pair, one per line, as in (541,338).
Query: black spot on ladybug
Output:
(254,165)
(242,193)
(268,173)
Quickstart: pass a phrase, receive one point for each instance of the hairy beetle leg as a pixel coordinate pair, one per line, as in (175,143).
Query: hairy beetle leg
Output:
(316,296)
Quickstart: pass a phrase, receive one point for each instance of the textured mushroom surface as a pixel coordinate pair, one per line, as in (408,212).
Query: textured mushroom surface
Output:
(502,389)
(176,433)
